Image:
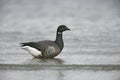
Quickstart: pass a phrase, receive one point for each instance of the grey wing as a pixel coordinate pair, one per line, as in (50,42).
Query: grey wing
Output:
(33,44)
(41,45)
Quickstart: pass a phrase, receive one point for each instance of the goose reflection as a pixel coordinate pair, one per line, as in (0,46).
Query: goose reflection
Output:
(52,61)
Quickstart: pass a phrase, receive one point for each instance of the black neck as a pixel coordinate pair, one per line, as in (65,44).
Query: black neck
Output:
(59,40)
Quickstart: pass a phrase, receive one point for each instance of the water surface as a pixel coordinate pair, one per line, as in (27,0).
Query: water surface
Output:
(91,49)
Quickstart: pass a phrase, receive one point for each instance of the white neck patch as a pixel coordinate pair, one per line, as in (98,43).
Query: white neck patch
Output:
(59,32)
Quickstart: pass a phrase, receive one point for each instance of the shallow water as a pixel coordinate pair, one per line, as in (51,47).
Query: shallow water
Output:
(91,49)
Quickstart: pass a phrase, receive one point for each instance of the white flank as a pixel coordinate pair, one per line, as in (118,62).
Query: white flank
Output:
(34,52)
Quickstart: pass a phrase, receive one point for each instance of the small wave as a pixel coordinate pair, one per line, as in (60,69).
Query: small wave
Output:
(57,67)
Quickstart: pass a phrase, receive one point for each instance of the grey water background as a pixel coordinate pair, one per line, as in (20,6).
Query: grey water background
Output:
(92,47)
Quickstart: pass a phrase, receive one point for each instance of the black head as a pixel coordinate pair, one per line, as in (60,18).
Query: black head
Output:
(62,28)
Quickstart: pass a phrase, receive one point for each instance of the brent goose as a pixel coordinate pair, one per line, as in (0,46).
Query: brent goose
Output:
(46,48)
